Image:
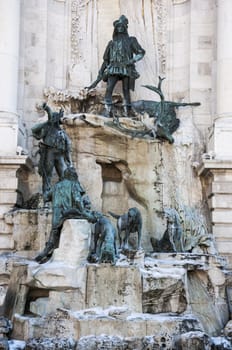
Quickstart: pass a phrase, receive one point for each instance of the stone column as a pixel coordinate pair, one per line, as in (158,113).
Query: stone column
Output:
(224,58)
(9,161)
(221,138)
(9,51)
(217,170)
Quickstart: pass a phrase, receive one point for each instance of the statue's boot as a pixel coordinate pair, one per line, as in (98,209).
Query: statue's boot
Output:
(108,110)
(46,253)
(128,112)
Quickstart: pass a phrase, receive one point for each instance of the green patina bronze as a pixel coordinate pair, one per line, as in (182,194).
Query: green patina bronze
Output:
(119,60)
(67,198)
(164,113)
(54,147)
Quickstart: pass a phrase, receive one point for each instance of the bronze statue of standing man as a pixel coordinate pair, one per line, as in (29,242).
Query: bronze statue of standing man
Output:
(54,149)
(120,57)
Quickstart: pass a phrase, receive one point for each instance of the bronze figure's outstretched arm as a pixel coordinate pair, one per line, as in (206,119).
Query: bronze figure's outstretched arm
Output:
(179,104)
(99,77)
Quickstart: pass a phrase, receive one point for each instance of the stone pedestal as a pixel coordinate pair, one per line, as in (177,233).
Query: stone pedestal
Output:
(73,246)
(65,269)
(108,300)
(8,186)
(114,285)
(217,175)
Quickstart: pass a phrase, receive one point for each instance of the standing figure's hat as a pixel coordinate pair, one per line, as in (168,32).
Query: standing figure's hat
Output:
(122,20)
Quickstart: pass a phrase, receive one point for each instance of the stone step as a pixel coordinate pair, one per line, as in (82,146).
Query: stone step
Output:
(6,242)
(112,322)
(5,228)
(187,260)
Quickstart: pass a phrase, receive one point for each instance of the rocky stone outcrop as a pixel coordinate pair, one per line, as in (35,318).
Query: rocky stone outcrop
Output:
(51,344)
(117,343)
(143,298)
(30,229)
(5,328)
(99,321)
(164,291)
(134,171)
(77,299)
(193,341)
(75,254)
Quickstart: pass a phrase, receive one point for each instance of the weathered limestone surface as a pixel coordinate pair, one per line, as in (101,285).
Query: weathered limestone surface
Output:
(137,172)
(77,325)
(118,286)
(102,297)
(187,341)
(99,295)
(128,172)
(76,232)
(5,273)
(205,286)
(58,276)
(203,303)
(29,229)
(193,340)
(194,286)
(153,299)
(164,290)
(64,269)
(73,299)
(51,343)
(92,285)
(15,298)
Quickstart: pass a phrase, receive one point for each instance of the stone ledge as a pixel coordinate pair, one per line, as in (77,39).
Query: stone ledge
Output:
(13,160)
(81,324)
(207,165)
(222,187)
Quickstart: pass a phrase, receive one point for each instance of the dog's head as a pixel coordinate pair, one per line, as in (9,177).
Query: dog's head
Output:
(132,213)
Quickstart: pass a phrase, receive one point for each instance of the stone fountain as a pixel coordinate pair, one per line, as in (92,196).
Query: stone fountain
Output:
(164,295)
